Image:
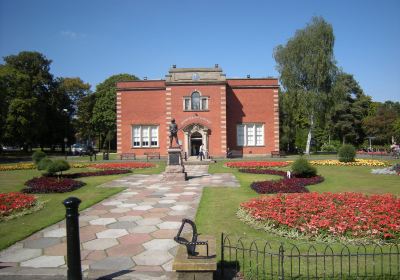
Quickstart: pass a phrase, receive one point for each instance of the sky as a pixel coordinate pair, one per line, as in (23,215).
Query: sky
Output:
(96,39)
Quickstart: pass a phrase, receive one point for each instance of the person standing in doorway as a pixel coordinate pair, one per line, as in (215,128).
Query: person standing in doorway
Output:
(201,152)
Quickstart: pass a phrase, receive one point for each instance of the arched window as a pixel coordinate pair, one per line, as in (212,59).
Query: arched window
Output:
(195,101)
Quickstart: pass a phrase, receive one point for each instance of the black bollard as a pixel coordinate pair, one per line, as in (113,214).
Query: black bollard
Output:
(73,243)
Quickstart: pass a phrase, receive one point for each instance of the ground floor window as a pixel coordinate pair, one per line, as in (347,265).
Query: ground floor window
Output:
(145,136)
(250,134)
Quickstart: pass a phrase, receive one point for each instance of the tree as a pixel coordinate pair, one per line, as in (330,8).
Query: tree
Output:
(75,89)
(382,125)
(26,81)
(84,114)
(104,110)
(306,65)
(350,108)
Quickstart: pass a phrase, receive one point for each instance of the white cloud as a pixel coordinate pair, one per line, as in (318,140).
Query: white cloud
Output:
(72,35)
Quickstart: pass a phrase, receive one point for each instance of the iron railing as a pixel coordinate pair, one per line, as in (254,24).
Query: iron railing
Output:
(244,258)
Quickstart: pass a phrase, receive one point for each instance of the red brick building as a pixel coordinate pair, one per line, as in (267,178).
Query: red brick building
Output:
(222,113)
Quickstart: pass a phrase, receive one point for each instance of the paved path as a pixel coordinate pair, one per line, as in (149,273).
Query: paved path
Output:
(129,235)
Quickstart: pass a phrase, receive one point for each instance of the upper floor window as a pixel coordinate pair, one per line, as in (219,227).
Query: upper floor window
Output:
(144,136)
(195,102)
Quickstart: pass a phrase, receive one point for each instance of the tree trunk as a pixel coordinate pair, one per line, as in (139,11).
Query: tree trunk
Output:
(309,136)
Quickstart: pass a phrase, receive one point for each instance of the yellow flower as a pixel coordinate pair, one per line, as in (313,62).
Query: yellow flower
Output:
(18,166)
(357,162)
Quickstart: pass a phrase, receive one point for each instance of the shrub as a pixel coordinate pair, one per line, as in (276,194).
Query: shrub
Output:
(51,185)
(44,164)
(347,153)
(303,169)
(58,166)
(37,156)
(328,148)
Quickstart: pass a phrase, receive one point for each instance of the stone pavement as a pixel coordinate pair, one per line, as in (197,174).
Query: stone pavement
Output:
(127,236)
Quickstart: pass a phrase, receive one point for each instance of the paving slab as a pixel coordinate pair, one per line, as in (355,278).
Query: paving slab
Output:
(127,236)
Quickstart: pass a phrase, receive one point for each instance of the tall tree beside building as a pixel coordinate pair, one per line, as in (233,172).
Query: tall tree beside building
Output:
(349,109)
(306,65)
(103,118)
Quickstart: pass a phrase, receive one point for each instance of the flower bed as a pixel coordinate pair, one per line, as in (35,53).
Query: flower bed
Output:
(344,216)
(124,165)
(256,164)
(18,166)
(51,185)
(286,185)
(392,170)
(13,202)
(358,162)
(97,173)
(263,171)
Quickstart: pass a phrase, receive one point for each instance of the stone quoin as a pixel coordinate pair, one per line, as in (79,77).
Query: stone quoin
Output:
(222,113)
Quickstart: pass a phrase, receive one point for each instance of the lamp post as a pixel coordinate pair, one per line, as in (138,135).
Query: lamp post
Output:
(65,135)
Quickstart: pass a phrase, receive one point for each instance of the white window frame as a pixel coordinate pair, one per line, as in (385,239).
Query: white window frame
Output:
(188,99)
(243,135)
(151,135)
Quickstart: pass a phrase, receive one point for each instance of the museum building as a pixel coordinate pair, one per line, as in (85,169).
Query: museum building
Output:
(241,115)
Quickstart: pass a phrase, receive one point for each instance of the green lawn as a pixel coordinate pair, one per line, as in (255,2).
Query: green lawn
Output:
(19,228)
(218,206)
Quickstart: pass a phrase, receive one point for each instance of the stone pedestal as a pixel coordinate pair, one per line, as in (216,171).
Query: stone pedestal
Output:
(175,171)
(201,267)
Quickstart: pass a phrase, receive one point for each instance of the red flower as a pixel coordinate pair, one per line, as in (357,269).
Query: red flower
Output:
(124,165)
(349,214)
(51,185)
(15,201)
(246,164)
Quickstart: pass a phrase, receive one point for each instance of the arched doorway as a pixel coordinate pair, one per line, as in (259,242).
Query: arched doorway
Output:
(195,142)
(195,135)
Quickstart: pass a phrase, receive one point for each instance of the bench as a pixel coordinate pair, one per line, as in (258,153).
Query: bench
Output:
(127,156)
(234,154)
(278,154)
(152,155)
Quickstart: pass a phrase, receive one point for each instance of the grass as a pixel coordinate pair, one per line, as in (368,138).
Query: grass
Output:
(218,206)
(19,228)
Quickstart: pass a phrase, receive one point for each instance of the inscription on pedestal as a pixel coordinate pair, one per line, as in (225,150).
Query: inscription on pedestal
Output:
(174,159)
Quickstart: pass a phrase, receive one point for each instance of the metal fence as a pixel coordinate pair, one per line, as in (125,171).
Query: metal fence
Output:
(244,258)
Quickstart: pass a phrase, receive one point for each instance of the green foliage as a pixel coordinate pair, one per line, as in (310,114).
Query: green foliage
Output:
(44,163)
(347,153)
(37,156)
(349,108)
(328,148)
(58,166)
(306,65)
(302,168)
(103,119)
(382,124)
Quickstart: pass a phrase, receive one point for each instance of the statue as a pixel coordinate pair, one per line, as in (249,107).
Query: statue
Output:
(173,133)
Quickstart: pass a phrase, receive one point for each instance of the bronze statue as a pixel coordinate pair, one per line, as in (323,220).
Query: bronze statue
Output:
(173,133)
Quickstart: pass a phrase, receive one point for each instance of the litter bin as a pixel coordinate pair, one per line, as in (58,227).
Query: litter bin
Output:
(105,156)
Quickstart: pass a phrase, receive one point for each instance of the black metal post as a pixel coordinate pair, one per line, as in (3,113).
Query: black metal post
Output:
(222,255)
(73,244)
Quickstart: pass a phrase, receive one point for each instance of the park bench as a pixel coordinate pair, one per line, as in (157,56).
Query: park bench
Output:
(152,155)
(127,156)
(234,154)
(278,154)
